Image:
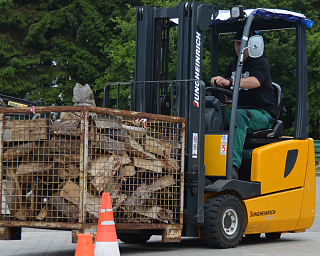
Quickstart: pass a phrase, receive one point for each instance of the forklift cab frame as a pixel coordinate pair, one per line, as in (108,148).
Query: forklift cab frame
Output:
(269,181)
(264,20)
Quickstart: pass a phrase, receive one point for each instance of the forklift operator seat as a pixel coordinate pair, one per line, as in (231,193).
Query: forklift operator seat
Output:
(277,130)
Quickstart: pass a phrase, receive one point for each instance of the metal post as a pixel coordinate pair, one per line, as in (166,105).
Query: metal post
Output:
(198,18)
(235,99)
(83,165)
(214,53)
(302,116)
(144,55)
(183,53)
(2,122)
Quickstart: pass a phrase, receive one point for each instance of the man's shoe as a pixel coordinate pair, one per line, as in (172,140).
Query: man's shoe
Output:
(235,172)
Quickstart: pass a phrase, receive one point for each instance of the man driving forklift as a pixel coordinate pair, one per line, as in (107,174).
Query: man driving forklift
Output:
(257,107)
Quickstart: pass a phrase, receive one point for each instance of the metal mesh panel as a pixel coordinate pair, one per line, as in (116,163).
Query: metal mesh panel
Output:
(56,167)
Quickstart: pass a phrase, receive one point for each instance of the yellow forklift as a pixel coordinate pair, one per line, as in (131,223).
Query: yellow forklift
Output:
(181,122)
(275,192)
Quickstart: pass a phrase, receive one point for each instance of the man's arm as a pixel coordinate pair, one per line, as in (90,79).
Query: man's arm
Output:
(247,83)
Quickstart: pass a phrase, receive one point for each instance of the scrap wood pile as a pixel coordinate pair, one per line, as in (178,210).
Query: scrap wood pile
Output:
(46,170)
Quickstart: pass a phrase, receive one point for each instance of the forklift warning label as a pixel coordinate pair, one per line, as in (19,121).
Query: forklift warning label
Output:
(195,145)
(262,213)
(223,146)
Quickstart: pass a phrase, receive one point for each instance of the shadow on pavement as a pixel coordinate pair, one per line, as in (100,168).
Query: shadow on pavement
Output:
(154,246)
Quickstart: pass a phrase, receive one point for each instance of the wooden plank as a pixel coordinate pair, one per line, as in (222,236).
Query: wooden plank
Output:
(157,146)
(106,172)
(15,202)
(70,171)
(68,116)
(124,159)
(104,168)
(43,213)
(64,146)
(22,213)
(108,121)
(176,145)
(152,165)
(117,134)
(105,162)
(41,152)
(67,158)
(135,132)
(144,192)
(67,209)
(163,182)
(117,199)
(25,130)
(104,142)
(68,127)
(97,164)
(136,150)
(155,212)
(114,185)
(71,192)
(137,198)
(69,124)
(33,168)
(172,165)
(18,151)
(127,171)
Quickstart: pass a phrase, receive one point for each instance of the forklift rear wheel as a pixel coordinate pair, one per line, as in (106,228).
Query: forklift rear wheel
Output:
(273,236)
(132,238)
(223,225)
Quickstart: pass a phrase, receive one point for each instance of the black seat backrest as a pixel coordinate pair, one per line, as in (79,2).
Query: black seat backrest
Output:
(277,93)
(277,130)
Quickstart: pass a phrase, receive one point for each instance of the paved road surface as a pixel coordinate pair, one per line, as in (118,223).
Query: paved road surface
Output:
(37,242)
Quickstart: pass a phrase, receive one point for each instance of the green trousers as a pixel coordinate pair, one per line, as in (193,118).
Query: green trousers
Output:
(246,123)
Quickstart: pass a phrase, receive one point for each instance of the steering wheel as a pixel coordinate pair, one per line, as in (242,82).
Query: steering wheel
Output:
(220,94)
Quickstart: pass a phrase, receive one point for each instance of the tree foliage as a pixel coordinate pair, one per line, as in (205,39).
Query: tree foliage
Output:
(48,46)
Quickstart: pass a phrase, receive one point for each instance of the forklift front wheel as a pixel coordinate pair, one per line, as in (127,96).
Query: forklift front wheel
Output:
(223,225)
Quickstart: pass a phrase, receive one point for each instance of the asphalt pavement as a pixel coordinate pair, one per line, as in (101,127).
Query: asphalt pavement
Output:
(45,242)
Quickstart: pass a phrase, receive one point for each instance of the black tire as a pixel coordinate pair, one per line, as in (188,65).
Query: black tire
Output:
(132,238)
(224,221)
(273,236)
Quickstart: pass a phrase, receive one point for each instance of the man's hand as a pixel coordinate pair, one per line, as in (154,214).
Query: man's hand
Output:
(247,83)
(220,81)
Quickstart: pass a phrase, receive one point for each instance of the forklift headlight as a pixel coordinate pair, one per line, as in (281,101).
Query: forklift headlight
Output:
(237,12)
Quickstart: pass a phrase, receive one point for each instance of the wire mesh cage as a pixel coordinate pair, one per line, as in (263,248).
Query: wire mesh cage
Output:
(57,162)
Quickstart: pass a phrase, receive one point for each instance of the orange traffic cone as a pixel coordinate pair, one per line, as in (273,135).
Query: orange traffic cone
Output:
(106,239)
(84,245)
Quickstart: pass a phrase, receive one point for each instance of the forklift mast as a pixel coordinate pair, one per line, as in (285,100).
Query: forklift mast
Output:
(151,64)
